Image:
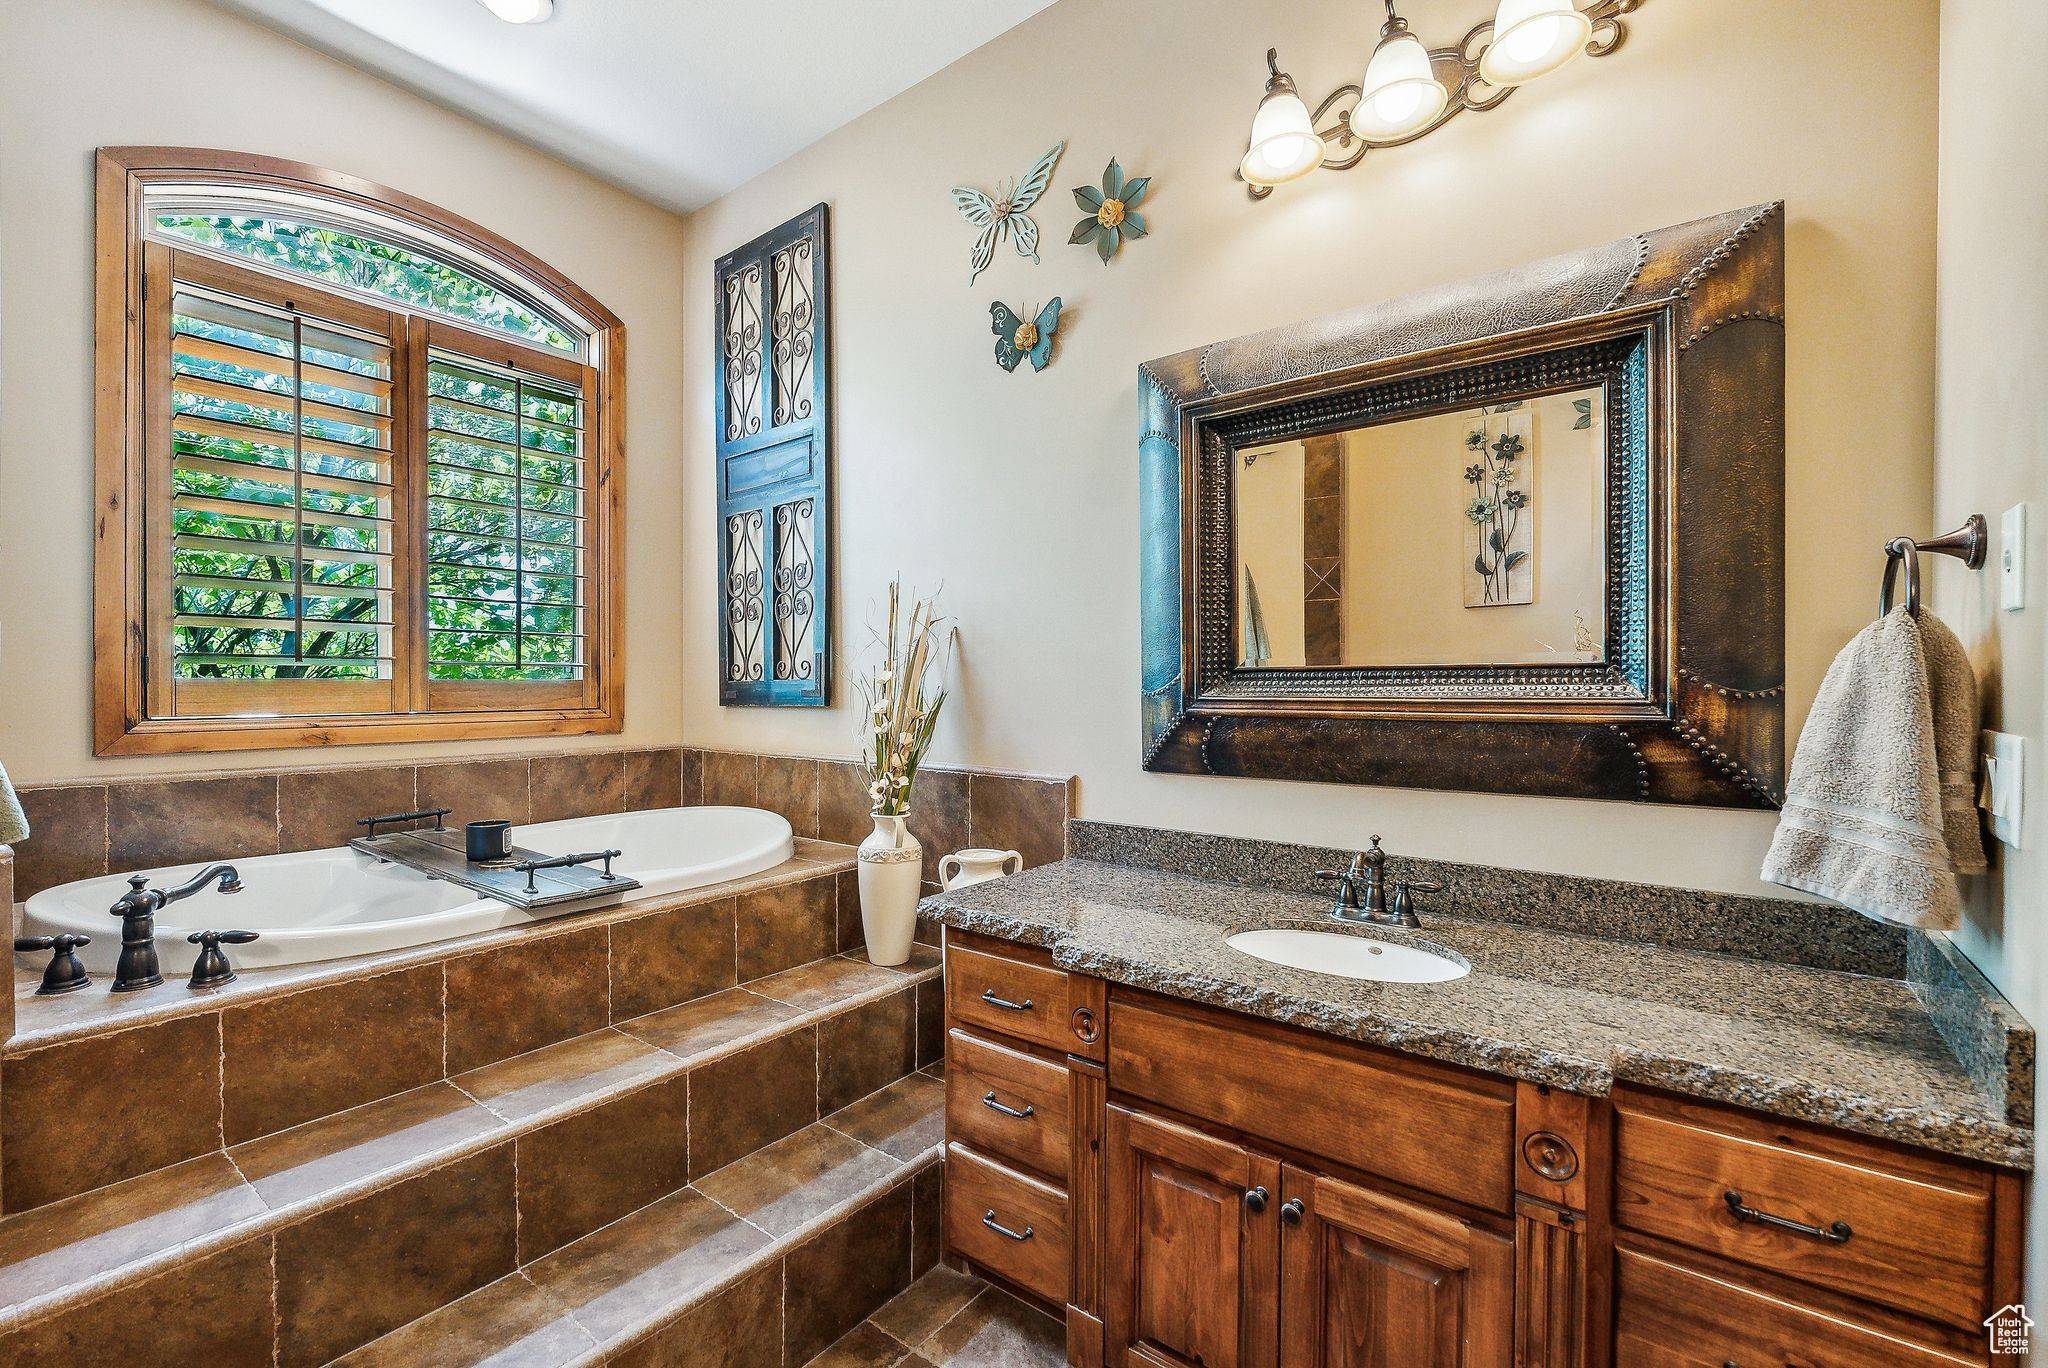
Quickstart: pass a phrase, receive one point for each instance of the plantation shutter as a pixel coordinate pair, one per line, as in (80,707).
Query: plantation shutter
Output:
(507,548)
(275,418)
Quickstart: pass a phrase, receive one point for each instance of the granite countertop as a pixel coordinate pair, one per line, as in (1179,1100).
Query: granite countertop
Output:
(1575,1011)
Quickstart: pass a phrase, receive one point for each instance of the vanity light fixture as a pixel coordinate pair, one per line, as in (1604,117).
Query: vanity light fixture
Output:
(1284,144)
(1410,90)
(1401,94)
(520,11)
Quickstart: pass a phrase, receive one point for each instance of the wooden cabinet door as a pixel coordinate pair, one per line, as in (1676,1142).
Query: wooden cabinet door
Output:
(1192,1257)
(1372,1281)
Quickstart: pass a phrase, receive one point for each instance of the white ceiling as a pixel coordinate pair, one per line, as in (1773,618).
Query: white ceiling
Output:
(676,100)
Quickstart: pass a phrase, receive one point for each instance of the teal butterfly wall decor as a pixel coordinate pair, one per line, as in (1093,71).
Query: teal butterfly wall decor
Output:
(1003,214)
(1112,211)
(1017,338)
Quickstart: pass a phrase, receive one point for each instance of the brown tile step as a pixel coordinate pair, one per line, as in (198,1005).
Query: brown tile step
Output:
(591,1129)
(949,1319)
(763,1262)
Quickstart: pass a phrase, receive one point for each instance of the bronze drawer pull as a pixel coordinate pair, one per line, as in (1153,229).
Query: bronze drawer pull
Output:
(989,1100)
(1837,1233)
(988,1218)
(988,995)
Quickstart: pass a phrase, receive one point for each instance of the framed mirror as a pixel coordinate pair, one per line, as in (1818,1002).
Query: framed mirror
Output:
(1521,535)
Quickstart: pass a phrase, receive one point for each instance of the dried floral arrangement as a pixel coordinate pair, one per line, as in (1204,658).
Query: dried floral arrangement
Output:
(902,696)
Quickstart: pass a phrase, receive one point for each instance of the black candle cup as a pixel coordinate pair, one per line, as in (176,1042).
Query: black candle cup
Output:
(487,840)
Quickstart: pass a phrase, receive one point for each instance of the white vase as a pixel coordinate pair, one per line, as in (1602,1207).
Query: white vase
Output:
(967,867)
(891,869)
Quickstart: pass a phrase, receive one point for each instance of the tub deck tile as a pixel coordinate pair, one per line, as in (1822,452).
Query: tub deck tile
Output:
(317,1164)
(565,1077)
(711,1026)
(99,1233)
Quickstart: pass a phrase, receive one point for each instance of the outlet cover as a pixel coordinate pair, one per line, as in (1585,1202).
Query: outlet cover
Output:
(2001,791)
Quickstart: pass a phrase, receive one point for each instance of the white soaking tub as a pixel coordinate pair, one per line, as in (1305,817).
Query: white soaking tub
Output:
(330,904)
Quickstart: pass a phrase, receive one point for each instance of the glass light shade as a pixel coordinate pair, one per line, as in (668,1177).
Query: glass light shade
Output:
(1533,38)
(1402,93)
(1284,144)
(520,11)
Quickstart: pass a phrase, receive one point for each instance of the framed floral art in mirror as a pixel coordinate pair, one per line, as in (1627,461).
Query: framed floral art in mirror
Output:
(1523,534)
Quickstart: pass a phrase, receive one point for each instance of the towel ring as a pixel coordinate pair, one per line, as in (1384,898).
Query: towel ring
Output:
(1967,544)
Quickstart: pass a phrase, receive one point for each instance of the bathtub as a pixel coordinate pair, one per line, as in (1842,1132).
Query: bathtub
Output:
(328,904)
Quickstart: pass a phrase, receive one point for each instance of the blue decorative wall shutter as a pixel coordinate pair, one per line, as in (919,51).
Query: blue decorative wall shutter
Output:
(774,469)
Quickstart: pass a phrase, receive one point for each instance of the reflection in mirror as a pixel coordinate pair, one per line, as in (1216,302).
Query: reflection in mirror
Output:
(1475,537)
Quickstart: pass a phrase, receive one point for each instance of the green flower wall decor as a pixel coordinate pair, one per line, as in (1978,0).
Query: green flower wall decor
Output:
(1112,216)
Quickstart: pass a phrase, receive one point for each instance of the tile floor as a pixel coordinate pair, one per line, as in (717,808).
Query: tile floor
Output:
(951,1320)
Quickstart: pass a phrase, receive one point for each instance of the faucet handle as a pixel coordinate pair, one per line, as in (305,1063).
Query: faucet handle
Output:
(64,973)
(1401,902)
(211,969)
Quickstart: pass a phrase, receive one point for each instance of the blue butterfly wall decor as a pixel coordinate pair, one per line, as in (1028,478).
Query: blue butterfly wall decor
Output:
(1017,338)
(1002,214)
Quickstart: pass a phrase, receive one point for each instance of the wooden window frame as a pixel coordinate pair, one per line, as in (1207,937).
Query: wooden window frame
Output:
(126,624)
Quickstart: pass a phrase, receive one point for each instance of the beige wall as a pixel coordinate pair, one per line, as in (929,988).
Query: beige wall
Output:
(1019,491)
(1409,545)
(1991,402)
(1271,541)
(88,73)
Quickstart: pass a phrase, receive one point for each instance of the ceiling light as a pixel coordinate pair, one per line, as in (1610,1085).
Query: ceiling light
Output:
(1532,38)
(1401,94)
(520,11)
(1284,145)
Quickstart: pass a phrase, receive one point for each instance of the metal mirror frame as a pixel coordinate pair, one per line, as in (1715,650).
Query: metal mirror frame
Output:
(1684,327)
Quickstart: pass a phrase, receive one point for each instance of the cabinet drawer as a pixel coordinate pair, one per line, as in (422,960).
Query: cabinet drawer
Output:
(1032,1248)
(988,1084)
(1918,1228)
(1672,1317)
(1436,1130)
(1013,996)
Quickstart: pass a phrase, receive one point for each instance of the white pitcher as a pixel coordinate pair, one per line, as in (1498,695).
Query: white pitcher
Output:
(965,867)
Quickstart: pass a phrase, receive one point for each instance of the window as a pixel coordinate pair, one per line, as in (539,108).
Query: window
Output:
(365,460)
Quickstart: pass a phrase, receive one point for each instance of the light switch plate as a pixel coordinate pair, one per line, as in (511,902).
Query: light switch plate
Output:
(2012,559)
(2001,791)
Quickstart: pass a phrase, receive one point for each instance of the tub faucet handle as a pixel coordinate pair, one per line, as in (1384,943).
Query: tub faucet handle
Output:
(64,973)
(212,969)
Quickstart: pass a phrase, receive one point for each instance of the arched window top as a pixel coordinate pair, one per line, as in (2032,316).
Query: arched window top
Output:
(339,243)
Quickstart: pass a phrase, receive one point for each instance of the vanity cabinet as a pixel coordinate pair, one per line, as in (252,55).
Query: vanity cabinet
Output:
(1191,1187)
(1753,1240)
(1225,1257)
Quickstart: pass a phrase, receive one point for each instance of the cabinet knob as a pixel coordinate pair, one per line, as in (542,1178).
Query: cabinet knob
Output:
(1255,1200)
(1292,1211)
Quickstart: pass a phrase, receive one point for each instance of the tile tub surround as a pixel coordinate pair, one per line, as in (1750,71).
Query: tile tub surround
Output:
(1575,1011)
(84,829)
(538,1154)
(281,1046)
(953,808)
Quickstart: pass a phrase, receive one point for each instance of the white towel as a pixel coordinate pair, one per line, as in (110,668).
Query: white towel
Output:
(13,821)
(1878,810)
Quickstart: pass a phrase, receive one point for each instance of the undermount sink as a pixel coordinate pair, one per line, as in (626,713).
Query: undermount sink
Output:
(1353,957)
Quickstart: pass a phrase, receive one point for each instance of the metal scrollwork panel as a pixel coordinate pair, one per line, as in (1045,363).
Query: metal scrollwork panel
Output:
(795,603)
(743,585)
(794,328)
(742,352)
(774,467)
